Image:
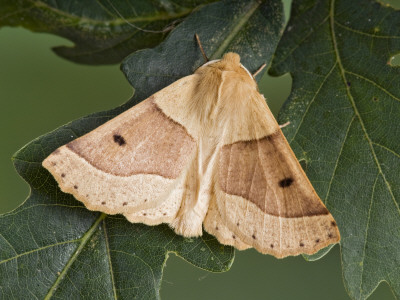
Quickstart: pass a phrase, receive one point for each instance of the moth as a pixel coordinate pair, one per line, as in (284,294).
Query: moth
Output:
(203,153)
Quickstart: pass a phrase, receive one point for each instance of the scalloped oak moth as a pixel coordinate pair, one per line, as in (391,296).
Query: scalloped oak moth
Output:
(204,152)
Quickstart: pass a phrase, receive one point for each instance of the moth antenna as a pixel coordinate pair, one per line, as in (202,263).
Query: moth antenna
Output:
(259,70)
(201,47)
(284,125)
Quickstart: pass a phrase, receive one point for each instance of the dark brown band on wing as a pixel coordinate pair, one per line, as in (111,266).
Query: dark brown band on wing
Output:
(151,143)
(267,173)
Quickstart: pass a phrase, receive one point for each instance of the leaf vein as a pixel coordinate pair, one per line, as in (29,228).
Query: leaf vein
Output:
(367,34)
(387,149)
(337,161)
(17,211)
(373,83)
(366,232)
(144,262)
(299,43)
(37,250)
(311,101)
(109,261)
(12,247)
(220,262)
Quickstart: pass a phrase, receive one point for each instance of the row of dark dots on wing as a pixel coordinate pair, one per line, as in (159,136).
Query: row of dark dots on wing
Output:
(126,203)
(301,244)
(234,236)
(104,202)
(145,214)
(120,140)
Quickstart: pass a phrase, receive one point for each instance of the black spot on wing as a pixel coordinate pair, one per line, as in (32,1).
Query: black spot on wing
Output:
(286,182)
(119,139)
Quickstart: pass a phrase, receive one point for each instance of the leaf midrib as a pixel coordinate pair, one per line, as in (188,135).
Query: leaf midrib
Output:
(352,102)
(84,240)
(357,114)
(235,30)
(117,21)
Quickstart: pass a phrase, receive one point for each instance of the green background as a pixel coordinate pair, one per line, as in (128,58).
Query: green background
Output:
(40,91)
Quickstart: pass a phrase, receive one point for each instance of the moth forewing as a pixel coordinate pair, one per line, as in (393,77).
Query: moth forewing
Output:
(204,151)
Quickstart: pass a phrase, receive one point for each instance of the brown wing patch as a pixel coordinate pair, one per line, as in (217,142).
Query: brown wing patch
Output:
(266,172)
(151,143)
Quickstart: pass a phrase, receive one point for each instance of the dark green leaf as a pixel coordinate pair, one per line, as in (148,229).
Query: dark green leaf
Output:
(53,246)
(344,111)
(104,31)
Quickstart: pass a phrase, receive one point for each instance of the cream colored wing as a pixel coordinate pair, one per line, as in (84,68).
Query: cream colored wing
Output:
(136,164)
(265,199)
(215,225)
